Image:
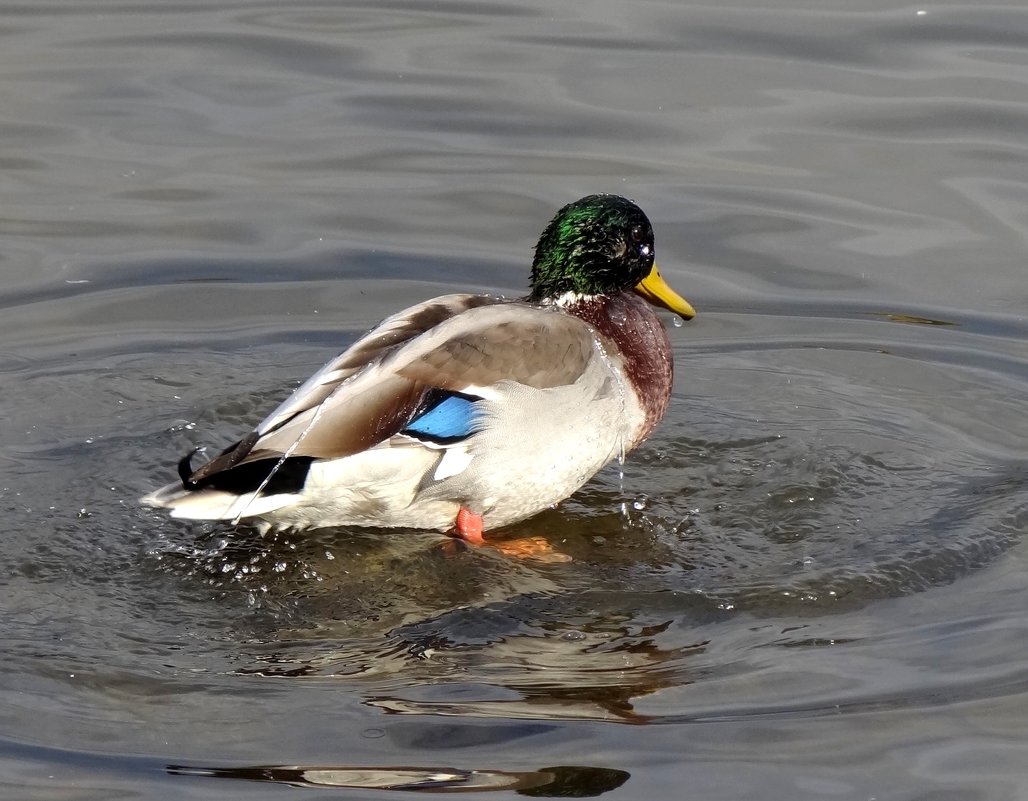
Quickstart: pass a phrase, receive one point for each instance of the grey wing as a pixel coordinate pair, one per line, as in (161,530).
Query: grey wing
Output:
(465,352)
(537,347)
(386,336)
(300,407)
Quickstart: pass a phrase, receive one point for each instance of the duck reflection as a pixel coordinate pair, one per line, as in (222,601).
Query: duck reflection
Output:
(413,631)
(564,781)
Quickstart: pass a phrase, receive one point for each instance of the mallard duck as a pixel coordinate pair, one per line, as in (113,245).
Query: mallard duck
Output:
(466,412)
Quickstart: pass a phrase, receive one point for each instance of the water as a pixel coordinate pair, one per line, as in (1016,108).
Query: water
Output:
(809,583)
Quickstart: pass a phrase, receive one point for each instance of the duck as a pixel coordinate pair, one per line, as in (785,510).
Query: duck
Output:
(466,412)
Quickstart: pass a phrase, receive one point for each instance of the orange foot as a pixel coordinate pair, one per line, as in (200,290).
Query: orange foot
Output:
(468,527)
(535,548)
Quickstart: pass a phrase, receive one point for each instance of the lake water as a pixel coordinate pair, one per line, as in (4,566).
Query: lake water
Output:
(810,583)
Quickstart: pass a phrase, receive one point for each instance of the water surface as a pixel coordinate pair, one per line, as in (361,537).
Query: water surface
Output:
(809,583)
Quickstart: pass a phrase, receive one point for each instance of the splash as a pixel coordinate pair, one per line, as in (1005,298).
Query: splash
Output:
(619,382)
(282,459)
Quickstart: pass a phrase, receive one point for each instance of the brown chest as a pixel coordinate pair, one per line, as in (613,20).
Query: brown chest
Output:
(637,335)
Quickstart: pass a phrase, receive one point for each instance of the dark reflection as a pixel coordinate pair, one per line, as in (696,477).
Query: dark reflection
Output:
(912,319)
(563,781)
(346,583)
(551,671)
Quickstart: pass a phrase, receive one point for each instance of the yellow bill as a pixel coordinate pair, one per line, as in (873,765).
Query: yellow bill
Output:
(655,289)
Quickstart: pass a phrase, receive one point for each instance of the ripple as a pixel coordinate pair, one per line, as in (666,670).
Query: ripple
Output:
(815,569)
(797,478)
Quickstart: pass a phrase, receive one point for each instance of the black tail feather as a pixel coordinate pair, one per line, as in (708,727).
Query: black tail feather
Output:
(185,469)
(289,476)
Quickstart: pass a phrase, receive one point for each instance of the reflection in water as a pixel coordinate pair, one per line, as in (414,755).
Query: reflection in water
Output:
(564,781)
(912,319)
(590,673)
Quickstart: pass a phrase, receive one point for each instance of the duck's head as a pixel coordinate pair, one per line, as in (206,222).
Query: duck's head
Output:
(601,245)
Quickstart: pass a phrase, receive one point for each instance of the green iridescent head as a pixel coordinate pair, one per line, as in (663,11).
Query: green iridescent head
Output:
(599,245)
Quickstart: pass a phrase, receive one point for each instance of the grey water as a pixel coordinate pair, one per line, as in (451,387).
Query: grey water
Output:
(809,583)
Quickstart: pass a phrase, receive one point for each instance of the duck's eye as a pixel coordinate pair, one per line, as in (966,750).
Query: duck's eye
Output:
(638,237)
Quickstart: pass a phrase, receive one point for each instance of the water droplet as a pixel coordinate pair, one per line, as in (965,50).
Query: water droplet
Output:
(677,321)
(639,503)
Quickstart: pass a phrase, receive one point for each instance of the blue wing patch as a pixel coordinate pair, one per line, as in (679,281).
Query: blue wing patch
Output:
(448,417)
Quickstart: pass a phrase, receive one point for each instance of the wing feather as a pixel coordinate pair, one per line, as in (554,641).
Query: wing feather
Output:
(458,343)
(387,335)
(537,347)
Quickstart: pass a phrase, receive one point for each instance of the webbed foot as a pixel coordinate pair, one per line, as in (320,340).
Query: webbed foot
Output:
(468,527)
(537,549)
